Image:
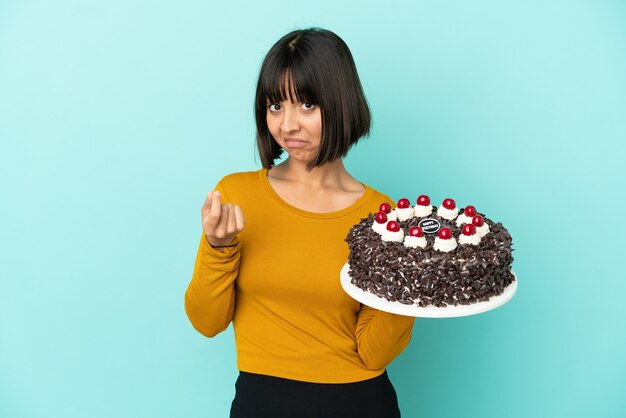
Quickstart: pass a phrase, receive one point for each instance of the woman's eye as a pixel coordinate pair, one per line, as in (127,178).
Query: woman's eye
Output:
(308,106)
(273,107)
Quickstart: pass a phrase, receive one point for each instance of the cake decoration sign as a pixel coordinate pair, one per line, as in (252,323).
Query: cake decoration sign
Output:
(429,225)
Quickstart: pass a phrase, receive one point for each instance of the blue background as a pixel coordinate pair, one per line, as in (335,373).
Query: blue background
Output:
(117,117)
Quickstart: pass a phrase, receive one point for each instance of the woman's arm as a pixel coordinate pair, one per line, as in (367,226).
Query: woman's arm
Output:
(210,296)
(381,336)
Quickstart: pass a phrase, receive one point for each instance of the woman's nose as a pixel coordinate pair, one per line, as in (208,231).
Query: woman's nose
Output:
(290,121)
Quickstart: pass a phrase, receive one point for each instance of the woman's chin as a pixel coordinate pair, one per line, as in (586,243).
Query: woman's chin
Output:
(301,157)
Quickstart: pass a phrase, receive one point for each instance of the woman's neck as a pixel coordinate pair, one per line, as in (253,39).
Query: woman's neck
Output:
(330,175)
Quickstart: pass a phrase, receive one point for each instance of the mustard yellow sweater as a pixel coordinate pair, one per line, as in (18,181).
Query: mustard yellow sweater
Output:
(280,287)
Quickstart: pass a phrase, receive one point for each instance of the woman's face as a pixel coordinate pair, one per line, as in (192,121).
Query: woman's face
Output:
(296,127)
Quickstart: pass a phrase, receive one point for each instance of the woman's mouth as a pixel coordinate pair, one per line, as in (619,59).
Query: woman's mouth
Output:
(295,143)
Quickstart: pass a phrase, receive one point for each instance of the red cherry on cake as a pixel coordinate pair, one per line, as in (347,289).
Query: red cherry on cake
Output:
(469,229)
(469,211)
(449,204)
(416,231)
(445,233)
(385,207)
(423,200)
(404,203)
(478,220)
(381,217)
(393,226)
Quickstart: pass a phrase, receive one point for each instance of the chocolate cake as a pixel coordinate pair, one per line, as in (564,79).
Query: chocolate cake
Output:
(427,255)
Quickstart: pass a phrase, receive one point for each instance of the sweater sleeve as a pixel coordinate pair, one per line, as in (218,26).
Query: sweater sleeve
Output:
(210,296)
(381,336)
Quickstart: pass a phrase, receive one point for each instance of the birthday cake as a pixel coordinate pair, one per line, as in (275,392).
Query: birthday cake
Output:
(427,255)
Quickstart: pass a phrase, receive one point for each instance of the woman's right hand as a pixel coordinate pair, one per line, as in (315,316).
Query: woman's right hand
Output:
(220,222)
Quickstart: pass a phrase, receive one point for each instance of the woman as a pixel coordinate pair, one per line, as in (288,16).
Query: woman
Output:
(304,347)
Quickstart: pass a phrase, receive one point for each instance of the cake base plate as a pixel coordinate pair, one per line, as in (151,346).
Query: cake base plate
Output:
(430,311)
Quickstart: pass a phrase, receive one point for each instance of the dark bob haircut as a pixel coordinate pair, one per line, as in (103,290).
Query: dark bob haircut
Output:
(321,71)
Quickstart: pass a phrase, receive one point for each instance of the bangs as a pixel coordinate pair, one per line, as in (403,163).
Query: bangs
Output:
(275,90)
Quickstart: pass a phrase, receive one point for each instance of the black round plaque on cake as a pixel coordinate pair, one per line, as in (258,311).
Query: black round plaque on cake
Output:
(429,225)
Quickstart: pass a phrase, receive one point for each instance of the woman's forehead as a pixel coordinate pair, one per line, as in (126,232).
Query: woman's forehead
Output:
(286,87)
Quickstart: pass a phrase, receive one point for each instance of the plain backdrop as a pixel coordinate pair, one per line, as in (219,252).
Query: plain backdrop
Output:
(117,117)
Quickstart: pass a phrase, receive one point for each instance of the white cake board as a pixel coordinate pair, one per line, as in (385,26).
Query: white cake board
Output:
(430,311)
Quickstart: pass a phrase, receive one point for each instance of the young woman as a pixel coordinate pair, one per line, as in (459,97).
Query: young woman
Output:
(273,243)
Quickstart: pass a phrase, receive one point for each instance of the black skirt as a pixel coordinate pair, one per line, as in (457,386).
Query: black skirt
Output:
(261,396)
